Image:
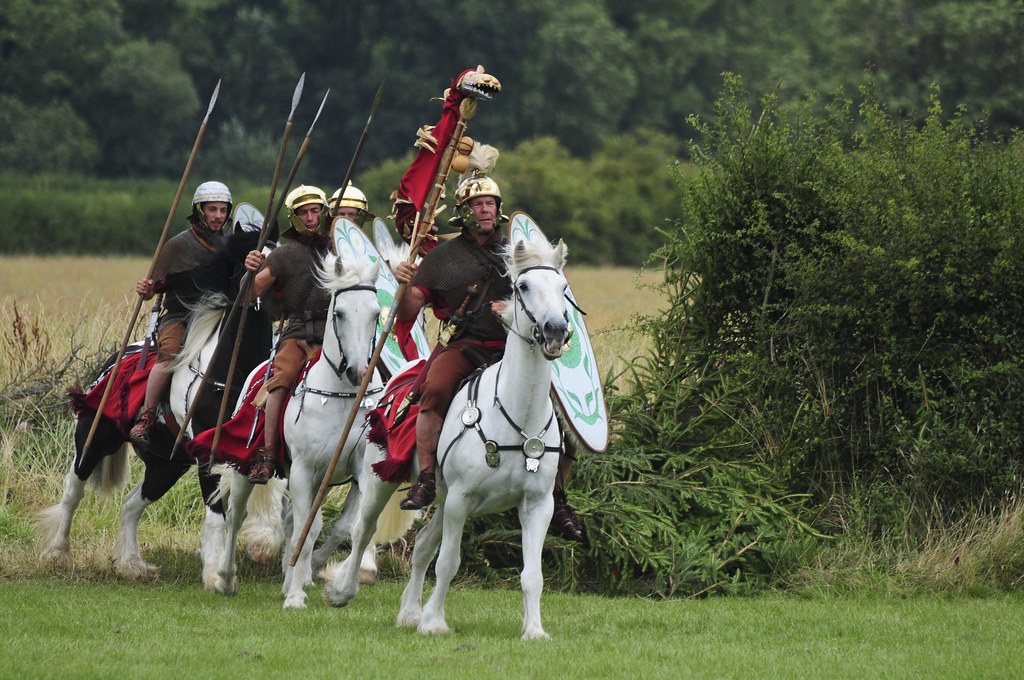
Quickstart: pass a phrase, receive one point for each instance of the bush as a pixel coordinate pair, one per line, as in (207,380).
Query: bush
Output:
(864,278)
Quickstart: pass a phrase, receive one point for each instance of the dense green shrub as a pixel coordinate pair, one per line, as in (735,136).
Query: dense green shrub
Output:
(864,278)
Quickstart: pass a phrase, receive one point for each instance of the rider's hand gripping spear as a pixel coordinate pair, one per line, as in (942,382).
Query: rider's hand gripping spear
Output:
(241,303)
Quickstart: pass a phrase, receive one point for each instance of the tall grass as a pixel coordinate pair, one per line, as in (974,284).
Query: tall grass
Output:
(61,317)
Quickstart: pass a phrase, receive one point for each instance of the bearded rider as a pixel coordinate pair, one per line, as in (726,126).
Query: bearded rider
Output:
(464,279)
(192,264)
(291,271)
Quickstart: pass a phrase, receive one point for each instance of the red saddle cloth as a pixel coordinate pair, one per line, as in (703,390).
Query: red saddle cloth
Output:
(393,427)
(127,393)
(234,446)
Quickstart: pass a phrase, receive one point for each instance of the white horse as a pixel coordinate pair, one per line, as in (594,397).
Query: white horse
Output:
(105,464)
(499,449)
(313,418)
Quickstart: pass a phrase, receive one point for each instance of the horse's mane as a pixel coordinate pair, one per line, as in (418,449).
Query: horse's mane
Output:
(204,316)
(534,253)
(350,273)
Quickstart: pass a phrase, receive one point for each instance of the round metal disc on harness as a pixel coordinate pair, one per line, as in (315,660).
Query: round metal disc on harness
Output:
(470,416)
(533,447)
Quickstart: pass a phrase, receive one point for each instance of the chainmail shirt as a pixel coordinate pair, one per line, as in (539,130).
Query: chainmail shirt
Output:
(294,267)
(446,275)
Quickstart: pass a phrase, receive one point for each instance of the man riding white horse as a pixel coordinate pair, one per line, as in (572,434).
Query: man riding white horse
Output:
(463,279)
(291,271)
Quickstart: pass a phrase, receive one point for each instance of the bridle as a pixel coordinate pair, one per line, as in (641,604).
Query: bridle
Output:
(536,336)
(342,366)
(301,388)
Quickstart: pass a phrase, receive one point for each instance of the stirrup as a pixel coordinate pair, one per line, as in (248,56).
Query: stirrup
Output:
(140,431)
(421,494)
(563,521)
(264,468)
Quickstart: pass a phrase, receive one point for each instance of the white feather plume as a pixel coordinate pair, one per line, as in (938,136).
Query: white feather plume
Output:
(481,161)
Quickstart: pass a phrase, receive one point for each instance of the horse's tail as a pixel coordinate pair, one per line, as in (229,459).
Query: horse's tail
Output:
(112,473)
(202,324)
(263,530)
(394,523)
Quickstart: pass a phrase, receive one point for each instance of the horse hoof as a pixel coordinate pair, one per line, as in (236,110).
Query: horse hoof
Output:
(61,560)
(367,577)
(295,602)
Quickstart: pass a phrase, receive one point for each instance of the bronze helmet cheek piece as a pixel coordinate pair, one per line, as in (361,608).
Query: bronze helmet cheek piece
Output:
(307,195)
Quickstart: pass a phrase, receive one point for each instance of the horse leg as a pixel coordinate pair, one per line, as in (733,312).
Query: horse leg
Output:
(342,581)
(108,460)
(211,542)
(301,480)
(534,518)
(341,531)
(55,524)
(456,509)
(263,531)
(160,476)
(427,541)
(226,580)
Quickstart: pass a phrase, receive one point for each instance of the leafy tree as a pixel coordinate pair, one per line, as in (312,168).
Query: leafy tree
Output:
(44,139)
(145,90)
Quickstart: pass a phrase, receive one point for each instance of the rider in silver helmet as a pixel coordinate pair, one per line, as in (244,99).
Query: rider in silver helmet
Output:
(192,264)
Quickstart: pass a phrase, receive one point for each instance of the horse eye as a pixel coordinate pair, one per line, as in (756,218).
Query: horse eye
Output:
(523,287)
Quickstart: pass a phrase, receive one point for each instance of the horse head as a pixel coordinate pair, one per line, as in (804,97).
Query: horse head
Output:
(536,312)
(352,316)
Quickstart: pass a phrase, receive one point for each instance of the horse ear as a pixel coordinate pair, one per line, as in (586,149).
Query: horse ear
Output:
(374,271)
(339,267)
(562,253)
(518,252)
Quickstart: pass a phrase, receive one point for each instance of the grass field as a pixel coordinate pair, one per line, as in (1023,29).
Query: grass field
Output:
(87,624)
(55,629)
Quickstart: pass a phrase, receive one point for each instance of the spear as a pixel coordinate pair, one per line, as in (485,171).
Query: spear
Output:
(152,269)
(359,148)
(239,305)
(421,229)
(246,286)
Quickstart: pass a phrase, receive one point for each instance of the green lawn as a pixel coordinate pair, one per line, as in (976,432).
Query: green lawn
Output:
(53,628)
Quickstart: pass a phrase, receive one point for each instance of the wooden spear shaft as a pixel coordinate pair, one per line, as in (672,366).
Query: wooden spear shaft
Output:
(152,268)
(240,306)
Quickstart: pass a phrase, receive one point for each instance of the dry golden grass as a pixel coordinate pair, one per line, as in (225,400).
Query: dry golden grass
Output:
(89,301)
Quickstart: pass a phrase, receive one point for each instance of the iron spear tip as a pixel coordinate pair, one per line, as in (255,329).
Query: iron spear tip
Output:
(213,101)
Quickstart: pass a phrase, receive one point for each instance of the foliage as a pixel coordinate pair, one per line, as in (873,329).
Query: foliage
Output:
(573,199)
(577,70)
(863,278)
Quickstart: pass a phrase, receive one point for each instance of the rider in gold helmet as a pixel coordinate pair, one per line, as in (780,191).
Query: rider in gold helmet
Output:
(464,279)
(290,271)
(350,204)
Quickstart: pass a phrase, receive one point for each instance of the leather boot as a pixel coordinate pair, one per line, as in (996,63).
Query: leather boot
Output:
(265,466)
(421,494)
(140,431)
(563,521)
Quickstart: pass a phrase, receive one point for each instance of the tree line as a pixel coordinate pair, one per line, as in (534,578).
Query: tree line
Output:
(114,87)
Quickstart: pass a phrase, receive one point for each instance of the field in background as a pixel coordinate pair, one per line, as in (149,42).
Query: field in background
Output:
(89,301)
